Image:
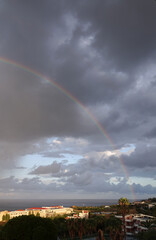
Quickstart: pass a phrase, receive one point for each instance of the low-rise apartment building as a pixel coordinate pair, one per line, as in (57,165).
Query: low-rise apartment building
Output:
(42,212)
(18,213)
(135,223)
(83,214)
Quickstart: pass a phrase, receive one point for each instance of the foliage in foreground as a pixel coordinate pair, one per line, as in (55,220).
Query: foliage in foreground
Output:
(29,228)
(36,228)
(78,228)
(149,235)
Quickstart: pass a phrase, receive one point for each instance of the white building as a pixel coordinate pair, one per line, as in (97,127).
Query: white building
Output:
(42,212)
(18,213)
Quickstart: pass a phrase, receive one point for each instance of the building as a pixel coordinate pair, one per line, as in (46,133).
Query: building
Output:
(3,213)
(135,223)
(42,212)
(18,213)
(83,214)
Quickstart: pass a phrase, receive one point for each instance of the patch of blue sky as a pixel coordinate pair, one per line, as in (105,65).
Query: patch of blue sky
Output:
(72,158)
(30,161)
(143,181)
(127,148)
(50,140)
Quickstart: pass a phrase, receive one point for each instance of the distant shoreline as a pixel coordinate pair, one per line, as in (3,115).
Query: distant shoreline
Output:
(14,204)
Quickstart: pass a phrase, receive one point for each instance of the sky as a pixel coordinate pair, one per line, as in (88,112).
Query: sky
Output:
(77,99)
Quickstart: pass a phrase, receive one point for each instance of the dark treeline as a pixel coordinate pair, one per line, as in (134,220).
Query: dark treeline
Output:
(29,227)
(102,208)
(37,228)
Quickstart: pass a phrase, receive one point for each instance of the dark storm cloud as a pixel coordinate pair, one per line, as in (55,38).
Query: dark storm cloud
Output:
(35,38)
(100,51)
(50,169)
(142,157)
(125,30)
(34,110)
(25,186)
(25,26)
(151,133)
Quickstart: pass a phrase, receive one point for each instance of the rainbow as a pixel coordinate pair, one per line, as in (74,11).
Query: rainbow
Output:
(77,101)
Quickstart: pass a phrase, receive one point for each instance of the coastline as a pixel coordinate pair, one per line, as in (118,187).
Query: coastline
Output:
(14,204)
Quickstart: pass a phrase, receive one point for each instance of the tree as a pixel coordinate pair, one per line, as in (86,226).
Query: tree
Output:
(71,228)
(114,227)
(123,209)
(6,217)
(91,226)
(100,223)
(149,235)
(40,233)
(61,225)
(38,214)
(30,227)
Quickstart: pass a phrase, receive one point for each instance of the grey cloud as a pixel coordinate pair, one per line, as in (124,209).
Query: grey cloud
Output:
(102,53)
(144,189)
(37,111)
(50,169)
(125,31)
(151,133)
(52,154)
(81,179)
(26,186)
(142,157)
(27,28)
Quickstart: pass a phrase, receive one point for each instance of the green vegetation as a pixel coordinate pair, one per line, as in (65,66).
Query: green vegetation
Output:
(6,217)
(114,228)
(90,208)
(38,214)
(123,210)
(35,228)
(144,209)
(149,235)
(29,228)
(78,228)
(102,208)
(151,200)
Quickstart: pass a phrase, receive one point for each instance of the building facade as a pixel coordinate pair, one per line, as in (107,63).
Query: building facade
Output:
(135,223)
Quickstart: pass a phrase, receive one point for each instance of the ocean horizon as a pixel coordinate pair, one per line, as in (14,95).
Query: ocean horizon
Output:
(15,204)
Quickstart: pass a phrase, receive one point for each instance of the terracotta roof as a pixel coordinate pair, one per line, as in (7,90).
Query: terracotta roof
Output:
(35,208)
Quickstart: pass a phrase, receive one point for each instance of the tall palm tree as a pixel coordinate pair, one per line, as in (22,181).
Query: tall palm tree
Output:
(71,228)
(90,226)
(81,227)
(114,227)
(100,222)
(123,209)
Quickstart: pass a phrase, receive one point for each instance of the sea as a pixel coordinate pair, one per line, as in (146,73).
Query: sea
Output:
(15,204)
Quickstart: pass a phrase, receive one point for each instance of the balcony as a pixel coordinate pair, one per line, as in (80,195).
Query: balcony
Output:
(136,225)
(129,233)
(129,220)
(129,227)
(143,228)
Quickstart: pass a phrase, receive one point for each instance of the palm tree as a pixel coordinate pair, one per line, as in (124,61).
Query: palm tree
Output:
(100,222)
(123,209)
(114,227)
(90,226)
(81,227)
(71,228)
